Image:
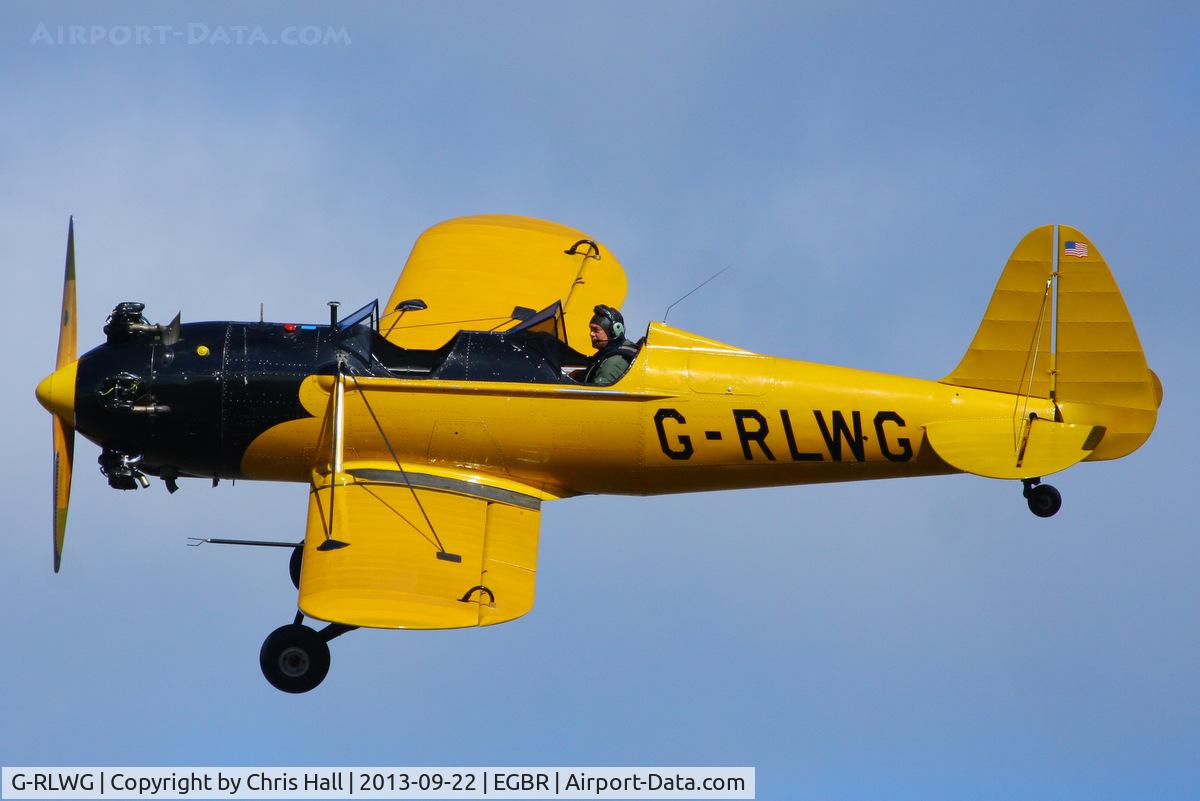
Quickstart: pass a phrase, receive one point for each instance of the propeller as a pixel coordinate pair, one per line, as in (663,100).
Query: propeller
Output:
(57,394)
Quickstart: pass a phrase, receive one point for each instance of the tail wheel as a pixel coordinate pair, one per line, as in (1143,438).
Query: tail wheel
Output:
(294,658)
(1044,500)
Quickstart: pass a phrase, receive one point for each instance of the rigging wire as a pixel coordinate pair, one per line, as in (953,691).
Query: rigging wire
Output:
(1030,364)
(400,467)
(501,318)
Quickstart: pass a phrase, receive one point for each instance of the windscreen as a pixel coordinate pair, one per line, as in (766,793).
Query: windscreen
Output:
(368,311)
(548,321)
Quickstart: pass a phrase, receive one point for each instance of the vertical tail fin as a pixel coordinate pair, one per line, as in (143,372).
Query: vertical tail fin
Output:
(1057,327)
(1011,349)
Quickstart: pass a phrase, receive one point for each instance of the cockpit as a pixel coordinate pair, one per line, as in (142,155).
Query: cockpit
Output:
(533,351)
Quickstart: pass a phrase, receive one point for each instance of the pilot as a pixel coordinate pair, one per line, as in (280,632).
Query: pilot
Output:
(614,353)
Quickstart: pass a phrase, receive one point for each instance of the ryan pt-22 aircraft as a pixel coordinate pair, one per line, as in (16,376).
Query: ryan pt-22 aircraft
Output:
(430,435)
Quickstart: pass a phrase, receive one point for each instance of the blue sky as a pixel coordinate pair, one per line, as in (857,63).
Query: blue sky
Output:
(863,169)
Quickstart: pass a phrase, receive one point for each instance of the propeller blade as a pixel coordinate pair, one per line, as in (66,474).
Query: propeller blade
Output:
(64,434)
(66,332)
(64,458)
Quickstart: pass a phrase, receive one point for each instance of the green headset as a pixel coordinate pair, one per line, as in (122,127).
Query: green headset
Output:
(616,323)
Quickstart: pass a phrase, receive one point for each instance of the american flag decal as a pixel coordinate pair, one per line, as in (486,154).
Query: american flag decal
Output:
(1079,249)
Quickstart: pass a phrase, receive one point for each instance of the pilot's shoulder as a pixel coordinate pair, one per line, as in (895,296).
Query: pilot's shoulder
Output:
(629,350)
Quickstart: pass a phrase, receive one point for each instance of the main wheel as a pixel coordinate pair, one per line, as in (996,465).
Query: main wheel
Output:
(295,563)
(1044,500)
(294,658)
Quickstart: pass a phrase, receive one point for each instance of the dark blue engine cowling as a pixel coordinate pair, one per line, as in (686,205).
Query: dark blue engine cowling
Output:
(193,406)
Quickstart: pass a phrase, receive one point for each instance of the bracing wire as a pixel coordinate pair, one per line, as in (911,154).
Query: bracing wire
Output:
(399,466)
(501,318)
(1019,412)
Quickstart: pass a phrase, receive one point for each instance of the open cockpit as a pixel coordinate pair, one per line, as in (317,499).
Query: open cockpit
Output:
(535,350)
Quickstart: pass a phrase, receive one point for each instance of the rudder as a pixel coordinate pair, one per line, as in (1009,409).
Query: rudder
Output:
(1099,358)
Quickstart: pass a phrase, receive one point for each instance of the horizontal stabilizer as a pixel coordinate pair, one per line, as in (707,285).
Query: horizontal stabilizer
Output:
(1007,448)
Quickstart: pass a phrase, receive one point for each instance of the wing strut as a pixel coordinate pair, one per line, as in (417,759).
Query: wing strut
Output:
(442,553)
(339,433)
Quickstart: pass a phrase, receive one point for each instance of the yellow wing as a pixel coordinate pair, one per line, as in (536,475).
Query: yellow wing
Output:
(472,272)
(434,553)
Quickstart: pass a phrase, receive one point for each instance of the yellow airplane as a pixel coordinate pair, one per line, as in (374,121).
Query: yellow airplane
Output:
(431,435)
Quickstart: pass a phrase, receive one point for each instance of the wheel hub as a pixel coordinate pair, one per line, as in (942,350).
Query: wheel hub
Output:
(294,662)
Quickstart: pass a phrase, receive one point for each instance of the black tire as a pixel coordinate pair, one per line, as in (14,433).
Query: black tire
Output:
(1044,500)
(295,563)
(294,658)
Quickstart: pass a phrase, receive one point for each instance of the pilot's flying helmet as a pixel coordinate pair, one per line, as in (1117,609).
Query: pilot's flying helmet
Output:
(610,320)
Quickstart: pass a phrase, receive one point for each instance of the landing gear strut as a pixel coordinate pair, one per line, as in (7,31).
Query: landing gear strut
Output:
(1043,499)
(295,658)
(295,563)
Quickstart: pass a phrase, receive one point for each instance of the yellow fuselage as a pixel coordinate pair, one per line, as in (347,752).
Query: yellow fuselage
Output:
(690,415)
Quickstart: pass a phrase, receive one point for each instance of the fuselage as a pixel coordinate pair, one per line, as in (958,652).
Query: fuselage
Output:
(251,400)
